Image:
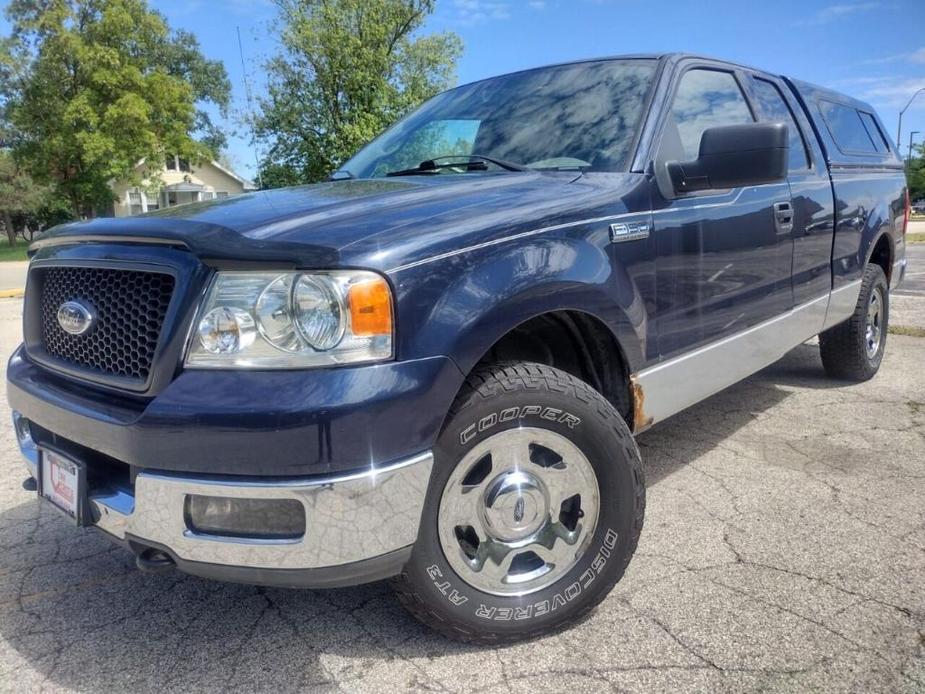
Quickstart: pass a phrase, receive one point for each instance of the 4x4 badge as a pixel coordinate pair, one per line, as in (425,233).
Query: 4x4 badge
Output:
(75,318)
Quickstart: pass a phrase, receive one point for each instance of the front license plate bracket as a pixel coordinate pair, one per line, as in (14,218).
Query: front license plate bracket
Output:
(62,482)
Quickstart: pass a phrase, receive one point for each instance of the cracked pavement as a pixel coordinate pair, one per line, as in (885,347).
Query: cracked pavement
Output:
(784,550)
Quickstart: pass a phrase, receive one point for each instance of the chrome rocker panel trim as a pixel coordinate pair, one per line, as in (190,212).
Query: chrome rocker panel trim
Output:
(678,383)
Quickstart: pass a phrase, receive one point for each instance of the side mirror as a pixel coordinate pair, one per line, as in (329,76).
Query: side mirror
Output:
(735,155)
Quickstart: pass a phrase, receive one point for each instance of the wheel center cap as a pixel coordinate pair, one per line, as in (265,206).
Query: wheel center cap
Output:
(514,506)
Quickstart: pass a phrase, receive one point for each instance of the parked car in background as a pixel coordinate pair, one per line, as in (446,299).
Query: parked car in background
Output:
(432,368)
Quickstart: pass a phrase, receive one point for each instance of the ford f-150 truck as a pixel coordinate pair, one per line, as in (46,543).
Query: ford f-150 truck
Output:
(432,367)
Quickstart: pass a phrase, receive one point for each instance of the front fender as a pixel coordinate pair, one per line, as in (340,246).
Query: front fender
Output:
(461,306)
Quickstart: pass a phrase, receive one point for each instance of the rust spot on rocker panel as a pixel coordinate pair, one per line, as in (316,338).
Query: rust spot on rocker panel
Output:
(640,421)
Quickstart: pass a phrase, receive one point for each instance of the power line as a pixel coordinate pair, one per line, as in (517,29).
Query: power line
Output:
(250,106)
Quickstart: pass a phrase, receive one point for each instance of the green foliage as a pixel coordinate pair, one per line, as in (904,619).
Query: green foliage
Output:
(349,68)
(915,174)
(92,87)
(22,200)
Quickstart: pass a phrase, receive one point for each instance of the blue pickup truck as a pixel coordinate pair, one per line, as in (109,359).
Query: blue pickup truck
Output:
(431,368)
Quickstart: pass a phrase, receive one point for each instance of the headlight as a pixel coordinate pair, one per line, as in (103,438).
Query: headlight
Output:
(291,320)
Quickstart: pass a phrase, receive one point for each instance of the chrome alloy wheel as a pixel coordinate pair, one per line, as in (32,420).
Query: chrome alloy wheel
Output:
(874,325)
(518,511)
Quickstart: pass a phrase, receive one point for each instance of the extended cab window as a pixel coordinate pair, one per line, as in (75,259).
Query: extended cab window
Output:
(570,117)
(846,127)
(874,131)
(705,99)
(774,109)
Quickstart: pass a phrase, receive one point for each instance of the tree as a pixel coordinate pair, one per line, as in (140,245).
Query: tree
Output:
(915,175)
(348,69)
(92,87)
(19,195)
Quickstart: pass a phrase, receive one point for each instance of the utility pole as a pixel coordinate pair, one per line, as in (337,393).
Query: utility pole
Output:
(912,134)
(899,129)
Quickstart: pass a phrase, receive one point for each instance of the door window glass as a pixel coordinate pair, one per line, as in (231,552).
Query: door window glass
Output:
(706,99)
(773,107)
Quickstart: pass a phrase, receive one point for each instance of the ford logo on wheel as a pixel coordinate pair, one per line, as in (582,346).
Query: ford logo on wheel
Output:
(75,318)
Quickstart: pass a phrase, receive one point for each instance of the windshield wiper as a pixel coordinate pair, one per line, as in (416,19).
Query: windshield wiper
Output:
(432,166)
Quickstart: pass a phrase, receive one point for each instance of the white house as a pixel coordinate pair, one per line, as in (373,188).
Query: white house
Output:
(180,183)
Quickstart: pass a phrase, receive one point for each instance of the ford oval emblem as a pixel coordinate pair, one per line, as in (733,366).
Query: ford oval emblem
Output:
(75,318)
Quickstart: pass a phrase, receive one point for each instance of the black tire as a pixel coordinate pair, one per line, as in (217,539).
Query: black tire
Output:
(438,596)
(844,347)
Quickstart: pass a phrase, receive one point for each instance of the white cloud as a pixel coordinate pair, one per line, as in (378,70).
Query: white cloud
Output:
(833,13)
(917,56)
(474,12)
(888,90)
(538,5)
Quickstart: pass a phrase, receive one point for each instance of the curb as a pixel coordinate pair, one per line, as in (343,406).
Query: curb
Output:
(11,293)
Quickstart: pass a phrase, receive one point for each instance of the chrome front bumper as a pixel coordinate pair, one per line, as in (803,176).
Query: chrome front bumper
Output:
(349,519)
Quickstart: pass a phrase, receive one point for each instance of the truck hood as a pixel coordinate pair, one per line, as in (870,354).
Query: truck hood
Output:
(377,222)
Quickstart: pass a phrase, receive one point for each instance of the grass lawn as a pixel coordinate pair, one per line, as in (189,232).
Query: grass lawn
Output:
(907,330)
(918,237)
(17,252)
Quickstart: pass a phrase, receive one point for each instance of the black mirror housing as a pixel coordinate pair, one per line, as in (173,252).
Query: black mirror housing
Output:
(735,155)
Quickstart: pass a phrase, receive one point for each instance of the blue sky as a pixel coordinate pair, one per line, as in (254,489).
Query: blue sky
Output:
(873,49)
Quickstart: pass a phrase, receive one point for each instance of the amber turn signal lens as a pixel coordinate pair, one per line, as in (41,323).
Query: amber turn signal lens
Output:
(371,308)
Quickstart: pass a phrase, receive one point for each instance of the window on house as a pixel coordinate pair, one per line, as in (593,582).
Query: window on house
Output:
(184,165)
(221,194)
(207,195)
(171,163)
(134,202)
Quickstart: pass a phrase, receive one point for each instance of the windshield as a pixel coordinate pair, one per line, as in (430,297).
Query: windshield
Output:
(570,117)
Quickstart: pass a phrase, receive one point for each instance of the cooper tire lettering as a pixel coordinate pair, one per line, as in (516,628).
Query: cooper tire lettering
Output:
(508,414)
(467,434)
(550,414)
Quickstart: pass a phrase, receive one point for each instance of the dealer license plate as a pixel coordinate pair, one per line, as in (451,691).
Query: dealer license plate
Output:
(61,482)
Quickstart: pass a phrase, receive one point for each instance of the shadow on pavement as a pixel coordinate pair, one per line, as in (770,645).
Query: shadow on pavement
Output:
(74,607)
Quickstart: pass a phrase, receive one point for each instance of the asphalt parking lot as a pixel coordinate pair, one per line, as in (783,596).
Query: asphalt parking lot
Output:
(784,549)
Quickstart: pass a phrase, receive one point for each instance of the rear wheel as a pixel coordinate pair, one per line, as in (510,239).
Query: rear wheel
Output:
(533,512)
(854,349)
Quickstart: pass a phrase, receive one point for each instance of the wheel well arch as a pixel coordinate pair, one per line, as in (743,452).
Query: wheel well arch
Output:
(881,254)
(576,342)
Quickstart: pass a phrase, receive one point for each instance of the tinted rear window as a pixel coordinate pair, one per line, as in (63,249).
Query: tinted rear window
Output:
(847,128)
(874,131)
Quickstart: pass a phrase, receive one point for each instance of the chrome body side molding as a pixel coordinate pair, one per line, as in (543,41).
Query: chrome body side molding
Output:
(678,383)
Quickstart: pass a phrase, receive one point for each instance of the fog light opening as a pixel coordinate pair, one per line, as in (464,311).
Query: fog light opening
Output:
(257,519)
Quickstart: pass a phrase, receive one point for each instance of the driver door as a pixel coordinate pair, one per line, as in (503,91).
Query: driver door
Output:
(723,262)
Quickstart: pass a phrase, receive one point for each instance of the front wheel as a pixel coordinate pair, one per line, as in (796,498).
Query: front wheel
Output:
(853,350)
(534,508)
